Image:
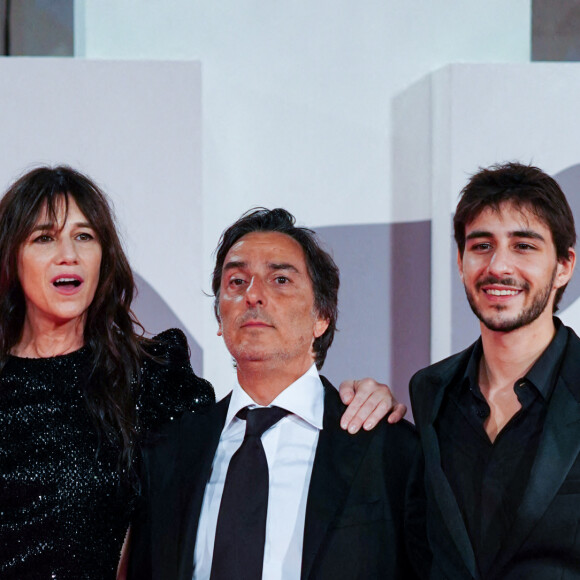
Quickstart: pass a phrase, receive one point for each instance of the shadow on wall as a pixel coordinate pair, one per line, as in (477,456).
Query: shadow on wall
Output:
(465,325)
(555,25)
(155,315)
(384,302)
(37,27)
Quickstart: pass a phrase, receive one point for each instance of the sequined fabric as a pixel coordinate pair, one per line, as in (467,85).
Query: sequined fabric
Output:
(63,510)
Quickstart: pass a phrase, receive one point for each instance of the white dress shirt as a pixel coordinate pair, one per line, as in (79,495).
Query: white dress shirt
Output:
(290,446)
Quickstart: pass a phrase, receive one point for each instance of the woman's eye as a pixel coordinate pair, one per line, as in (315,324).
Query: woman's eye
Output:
(42,239)
(85,237)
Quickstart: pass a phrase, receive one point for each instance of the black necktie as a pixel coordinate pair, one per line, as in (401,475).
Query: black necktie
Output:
(241,526)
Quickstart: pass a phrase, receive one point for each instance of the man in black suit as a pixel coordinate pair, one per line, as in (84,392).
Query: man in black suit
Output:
(500,421)
(335,505)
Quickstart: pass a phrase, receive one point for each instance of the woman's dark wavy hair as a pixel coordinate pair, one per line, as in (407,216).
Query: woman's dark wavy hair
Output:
(527,187)
(322,270)
(110,324)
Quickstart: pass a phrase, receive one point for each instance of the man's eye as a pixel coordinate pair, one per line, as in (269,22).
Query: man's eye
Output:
(524,246)
(282,280)
(481,246)
(236,282)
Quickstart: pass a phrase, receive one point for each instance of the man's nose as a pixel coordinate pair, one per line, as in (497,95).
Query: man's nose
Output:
(256,292)
(501,262)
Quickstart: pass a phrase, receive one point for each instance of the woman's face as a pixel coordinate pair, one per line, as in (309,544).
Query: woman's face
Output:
(58,267)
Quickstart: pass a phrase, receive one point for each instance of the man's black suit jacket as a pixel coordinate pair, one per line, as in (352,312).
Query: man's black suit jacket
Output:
(357,510)
(544,541)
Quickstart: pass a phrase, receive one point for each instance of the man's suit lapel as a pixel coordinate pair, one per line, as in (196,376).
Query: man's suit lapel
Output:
(198,443)
(442,492)
(557,451)
(337,458)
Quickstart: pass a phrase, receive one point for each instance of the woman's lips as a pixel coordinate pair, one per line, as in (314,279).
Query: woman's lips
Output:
(67,284)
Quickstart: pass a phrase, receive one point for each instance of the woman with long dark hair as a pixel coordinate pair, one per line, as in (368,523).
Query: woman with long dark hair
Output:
(78,385)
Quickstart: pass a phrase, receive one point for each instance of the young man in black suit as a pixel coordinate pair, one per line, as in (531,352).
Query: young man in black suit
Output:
(500,421)
(299,498)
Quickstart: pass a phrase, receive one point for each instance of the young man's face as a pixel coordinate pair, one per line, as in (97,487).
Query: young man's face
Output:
(509,268)
(266,303)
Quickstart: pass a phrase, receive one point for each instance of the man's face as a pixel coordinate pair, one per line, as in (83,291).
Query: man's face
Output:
(509,268)
(266,303)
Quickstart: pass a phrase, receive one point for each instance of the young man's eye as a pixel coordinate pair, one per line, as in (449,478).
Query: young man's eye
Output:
(524,246)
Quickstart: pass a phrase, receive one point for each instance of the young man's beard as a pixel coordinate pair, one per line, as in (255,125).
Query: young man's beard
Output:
(525,317)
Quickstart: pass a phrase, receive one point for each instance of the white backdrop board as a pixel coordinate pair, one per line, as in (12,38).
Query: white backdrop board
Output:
(135,128)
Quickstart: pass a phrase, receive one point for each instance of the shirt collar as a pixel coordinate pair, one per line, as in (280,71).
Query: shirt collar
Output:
(542,374)
(471,376)
(303,398)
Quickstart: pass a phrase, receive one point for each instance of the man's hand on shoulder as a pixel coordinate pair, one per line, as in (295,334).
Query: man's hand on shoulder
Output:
(368,402)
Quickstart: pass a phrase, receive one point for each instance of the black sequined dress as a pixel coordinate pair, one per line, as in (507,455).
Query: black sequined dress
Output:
(63,510)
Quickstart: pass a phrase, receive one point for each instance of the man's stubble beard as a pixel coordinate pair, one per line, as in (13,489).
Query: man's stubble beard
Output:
(526,316)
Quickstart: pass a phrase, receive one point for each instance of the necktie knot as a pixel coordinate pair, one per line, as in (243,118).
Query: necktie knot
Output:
(260,419)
